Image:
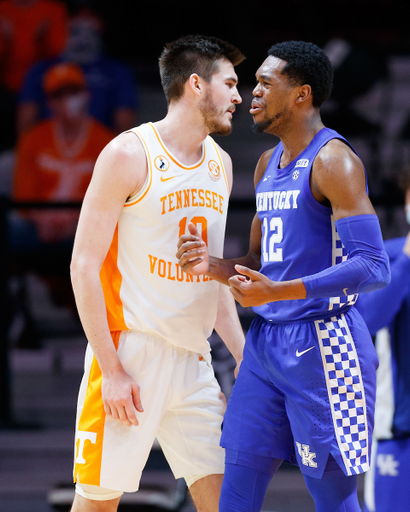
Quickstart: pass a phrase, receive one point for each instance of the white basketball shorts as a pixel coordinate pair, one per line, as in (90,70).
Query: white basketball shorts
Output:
(182,409)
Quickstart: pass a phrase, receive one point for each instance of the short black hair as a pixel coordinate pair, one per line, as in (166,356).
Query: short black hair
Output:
(306,63)
(193,54)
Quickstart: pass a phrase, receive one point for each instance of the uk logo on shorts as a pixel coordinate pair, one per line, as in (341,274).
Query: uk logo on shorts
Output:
(346,392)
(387,464)
(306,455)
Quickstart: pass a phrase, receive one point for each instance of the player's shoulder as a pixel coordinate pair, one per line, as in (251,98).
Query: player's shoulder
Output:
(337,154)
(125,145)
(266,156)
(262,164)
(125,153)
(226,157)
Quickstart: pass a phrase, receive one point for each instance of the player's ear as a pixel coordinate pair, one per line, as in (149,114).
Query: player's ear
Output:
(304,92)
(194,84)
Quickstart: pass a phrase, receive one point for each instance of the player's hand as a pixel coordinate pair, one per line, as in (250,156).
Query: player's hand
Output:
(121,397)
(250,288)
(192,252)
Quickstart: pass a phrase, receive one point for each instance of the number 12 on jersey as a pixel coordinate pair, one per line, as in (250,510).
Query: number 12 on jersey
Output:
(272,234)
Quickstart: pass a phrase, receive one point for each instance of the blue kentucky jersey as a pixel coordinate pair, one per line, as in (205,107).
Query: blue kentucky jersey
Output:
(298,233)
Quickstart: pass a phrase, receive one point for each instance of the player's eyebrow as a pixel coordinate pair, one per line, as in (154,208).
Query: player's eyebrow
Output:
(263,77)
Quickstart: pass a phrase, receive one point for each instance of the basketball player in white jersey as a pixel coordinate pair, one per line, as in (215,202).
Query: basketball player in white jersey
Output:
(147,370)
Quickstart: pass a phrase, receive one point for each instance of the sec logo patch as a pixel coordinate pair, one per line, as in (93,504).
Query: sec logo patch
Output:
(214,170)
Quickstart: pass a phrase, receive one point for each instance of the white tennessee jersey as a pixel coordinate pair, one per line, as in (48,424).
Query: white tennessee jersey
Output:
(144,287)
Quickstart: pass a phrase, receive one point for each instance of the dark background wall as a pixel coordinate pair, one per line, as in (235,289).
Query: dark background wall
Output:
(137,31)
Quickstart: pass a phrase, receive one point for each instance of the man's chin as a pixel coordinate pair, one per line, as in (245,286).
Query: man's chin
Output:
(222,130)
(260,127)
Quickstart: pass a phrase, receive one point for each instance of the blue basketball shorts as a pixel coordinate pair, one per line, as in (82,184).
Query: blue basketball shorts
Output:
(305,389)
(387,487)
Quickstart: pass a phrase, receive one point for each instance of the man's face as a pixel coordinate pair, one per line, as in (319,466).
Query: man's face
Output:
(69,103)
(220,97)
(271,106)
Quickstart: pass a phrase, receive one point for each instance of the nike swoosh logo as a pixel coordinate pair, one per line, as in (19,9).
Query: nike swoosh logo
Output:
(344,291)
(166,179)
(298,354)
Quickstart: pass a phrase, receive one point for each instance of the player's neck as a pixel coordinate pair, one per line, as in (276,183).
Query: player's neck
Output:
(298,137)
(183,134)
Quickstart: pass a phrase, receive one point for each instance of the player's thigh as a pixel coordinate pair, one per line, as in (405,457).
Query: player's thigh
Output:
(108,453)
(190,430)
(256,418)
(330,393)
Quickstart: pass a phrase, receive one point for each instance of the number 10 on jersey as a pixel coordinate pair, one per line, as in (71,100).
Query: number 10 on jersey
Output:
(201,225)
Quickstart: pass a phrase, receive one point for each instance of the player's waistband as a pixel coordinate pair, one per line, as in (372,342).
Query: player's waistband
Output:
(324,316)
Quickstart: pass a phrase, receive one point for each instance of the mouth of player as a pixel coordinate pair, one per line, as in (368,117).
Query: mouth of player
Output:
(255,108)
(230,111)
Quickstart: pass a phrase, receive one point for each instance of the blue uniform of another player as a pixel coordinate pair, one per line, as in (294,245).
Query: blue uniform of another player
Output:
(387,314)
(303,369)
(306,387)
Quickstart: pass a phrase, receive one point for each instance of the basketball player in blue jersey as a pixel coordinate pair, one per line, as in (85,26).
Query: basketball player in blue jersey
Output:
(306,387)
(387,315)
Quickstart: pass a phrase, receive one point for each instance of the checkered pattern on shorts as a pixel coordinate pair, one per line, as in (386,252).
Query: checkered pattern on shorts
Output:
(339,254)
(346,392)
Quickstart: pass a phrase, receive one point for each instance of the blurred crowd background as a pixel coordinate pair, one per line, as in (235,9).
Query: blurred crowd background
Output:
(74,74)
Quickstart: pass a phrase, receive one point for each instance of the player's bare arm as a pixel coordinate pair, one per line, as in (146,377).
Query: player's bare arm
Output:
(229,327)
(119,172)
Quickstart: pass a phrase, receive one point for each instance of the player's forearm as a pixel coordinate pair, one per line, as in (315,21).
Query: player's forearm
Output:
(286,290)
(228,325)
(222,269)
(366,270)
(92,311)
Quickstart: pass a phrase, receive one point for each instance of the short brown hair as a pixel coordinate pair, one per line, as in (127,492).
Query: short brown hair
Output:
(193,54)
